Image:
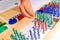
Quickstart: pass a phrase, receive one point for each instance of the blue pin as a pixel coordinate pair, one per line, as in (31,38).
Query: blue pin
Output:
(46,8)
(54,12)
(39,11)
(50,9)
(31,34)
(34,33)
(38,31)
(56,9)
(59,12)
(12,21)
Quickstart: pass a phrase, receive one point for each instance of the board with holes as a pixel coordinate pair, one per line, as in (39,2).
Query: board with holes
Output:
(21,26)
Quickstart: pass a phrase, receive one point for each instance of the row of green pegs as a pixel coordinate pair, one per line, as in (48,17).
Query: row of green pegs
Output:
(56,1)
(18,35)
(45,17)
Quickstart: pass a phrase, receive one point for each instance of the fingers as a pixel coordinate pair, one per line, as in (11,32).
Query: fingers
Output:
(22,1)
(24,12)
(28,8)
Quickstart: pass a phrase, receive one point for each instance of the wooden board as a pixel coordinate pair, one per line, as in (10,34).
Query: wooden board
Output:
(10,13)
(20,25)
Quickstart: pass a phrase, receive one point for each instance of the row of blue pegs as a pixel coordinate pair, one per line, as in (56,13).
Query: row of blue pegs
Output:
(55,10)
(14,19)
(33,34)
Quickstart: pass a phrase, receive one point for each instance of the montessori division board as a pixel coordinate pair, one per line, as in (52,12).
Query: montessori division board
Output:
(17,27)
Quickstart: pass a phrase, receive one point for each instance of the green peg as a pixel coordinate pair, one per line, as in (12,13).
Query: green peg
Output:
(2,24)
(50,22)
(3,28)
(45,18)
(14,31)
(46,5)
(59,1)
(23,37)
(41,16)
(13,37)
(37,15)
(20,34)
(54,1)
(27,38)
(51,15)
(17,33)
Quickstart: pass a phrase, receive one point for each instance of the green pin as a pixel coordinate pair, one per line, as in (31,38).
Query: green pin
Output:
(27,38)
(41,16)
(37,15)
(3,28)
(23,37)
(59,1)
(54,1)
(14,31)
(50,22)
(17,33)
(51,18)
(45,18)
(20,34)
(14,37)
(2,24)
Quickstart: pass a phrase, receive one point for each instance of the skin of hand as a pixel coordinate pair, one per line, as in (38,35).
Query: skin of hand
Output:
(26,9)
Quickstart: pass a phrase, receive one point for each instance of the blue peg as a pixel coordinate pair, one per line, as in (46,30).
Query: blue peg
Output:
(46,8)
(38,31)
(59,12)
(56,9)
(50,9)
(34,33)
(31,34)
(12,21)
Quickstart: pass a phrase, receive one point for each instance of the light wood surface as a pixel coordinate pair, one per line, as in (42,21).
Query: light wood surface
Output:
(2,20)
(10,13)
(20,25)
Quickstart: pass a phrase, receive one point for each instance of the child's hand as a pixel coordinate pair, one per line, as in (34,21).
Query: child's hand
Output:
(26,8)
